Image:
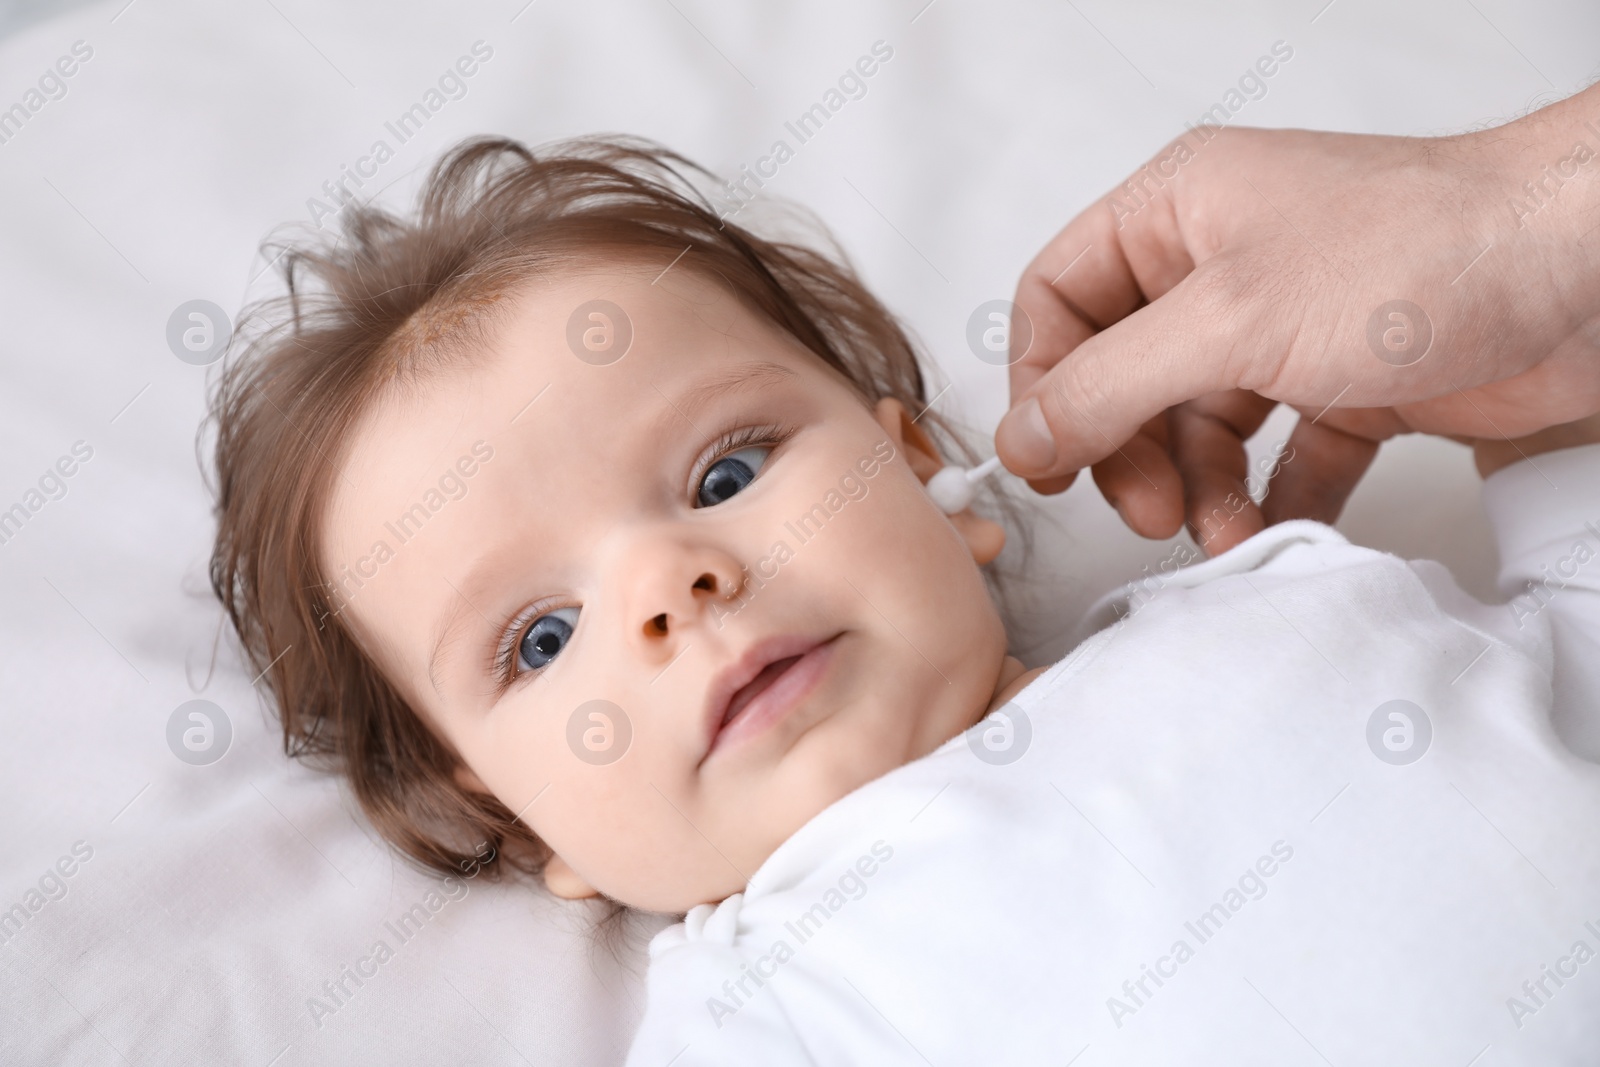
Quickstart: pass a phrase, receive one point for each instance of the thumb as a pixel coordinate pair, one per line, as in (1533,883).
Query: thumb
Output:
(1181,346)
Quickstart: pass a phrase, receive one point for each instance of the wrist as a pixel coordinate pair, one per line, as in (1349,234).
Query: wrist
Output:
(1538,181)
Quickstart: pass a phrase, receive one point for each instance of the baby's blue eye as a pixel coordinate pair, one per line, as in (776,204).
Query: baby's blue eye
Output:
(728,475)
(546,638)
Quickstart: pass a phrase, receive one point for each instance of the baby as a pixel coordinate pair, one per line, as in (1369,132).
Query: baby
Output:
(572,521)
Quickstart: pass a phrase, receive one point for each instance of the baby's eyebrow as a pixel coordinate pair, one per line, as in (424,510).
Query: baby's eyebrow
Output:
(450,625)
(746,376)
(691,401)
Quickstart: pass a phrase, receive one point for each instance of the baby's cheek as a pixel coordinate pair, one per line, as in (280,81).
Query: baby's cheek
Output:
(924,577)
(609,798)
(897,525)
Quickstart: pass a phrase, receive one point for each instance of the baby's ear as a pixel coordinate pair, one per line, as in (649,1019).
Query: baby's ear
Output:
(983,536)
(909,438)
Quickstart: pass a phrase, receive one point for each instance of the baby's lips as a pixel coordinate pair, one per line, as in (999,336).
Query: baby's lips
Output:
(743,670)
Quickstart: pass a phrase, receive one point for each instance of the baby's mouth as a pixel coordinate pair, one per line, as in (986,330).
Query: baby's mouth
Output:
(773,676)
(753,688)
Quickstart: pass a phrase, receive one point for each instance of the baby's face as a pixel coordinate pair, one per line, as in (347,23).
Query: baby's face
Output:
(580,618)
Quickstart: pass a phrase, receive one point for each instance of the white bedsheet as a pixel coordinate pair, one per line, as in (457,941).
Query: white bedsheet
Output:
(207,905)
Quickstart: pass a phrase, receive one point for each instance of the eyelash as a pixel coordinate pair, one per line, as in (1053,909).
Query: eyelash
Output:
(511,638)
(732,441)
(512,632)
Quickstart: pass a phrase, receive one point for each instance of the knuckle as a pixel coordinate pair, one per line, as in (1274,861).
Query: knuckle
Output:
(1224,305)
(1069,396)
(1220,290)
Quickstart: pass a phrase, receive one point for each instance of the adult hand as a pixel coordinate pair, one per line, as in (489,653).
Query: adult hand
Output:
(1378,285)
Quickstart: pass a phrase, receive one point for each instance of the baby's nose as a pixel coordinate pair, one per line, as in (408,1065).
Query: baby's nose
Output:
(678,585)
(715,588)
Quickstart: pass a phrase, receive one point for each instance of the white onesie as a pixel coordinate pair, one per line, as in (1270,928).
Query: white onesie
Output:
(1306,804)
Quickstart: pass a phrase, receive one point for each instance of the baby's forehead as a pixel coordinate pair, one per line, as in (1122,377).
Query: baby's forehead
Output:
(595,365)
(608,330)
(644,295)
(625,339)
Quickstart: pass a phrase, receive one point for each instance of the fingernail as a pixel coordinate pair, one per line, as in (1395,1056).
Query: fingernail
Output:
(1024,436)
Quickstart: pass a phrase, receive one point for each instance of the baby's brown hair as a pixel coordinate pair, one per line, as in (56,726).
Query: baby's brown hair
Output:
(399,300)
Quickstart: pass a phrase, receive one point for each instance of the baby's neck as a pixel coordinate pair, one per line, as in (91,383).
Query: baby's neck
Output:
(1014,676)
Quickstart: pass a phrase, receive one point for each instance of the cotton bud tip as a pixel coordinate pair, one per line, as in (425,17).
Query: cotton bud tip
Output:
(951,490)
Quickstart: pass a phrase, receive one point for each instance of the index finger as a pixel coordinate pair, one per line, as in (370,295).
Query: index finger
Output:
(1105,264)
